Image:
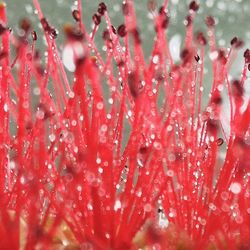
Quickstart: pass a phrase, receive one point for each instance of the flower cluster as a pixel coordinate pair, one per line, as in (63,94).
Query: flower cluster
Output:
(131,154)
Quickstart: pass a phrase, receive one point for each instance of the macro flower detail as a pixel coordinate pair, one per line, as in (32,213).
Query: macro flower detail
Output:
(104,149)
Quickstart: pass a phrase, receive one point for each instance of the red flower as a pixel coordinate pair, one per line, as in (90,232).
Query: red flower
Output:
(88,164)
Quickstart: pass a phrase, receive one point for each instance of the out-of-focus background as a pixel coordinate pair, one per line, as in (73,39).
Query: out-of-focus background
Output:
(232,15)
(232,18)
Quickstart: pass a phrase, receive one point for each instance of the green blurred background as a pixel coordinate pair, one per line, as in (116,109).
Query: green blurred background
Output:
(232,15)
(232,18)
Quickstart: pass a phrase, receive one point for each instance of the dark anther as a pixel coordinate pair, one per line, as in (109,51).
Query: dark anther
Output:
(234,40)
(197,58)
(201,38)
(216,99)
(212,125)
(34,35)
(80,61)
(143,150)
(188,20)
(97,19)
(160,210)
(247,56)
(222,56)
(120,63)
(53,33)
(102,8)
(162,11)
(219,141)
(25,24)
(40,70)
(73,32)
(194,6)
(185,55)
(122,30)
(45,24)
(37,55)
(76,15)
(210,22)
(237,43)
(38,232)
(113,29)
(165,22)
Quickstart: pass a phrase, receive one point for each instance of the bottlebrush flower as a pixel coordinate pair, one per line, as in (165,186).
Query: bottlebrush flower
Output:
(92,164)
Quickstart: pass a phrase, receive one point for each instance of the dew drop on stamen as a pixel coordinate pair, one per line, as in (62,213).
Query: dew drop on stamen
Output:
(147,208)
(11,165)
(40,114)
(170,173)
(52,137)
(98,160)
(155,59)
(235,188)
(5,107)
(99,105)
(117,205)
(213,55)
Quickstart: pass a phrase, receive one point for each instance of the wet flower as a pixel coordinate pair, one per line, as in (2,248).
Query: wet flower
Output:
(129,153)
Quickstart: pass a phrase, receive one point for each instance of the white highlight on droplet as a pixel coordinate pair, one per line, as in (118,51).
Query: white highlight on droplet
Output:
(117,205)
(235,187)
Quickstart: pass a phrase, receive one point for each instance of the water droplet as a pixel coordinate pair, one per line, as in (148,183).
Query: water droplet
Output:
(52,137)
(12,165)
(98,160)
(117,205)
(99,105)
(5,107)
(147,208)
(235,187)
(155,59)
(40,114)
